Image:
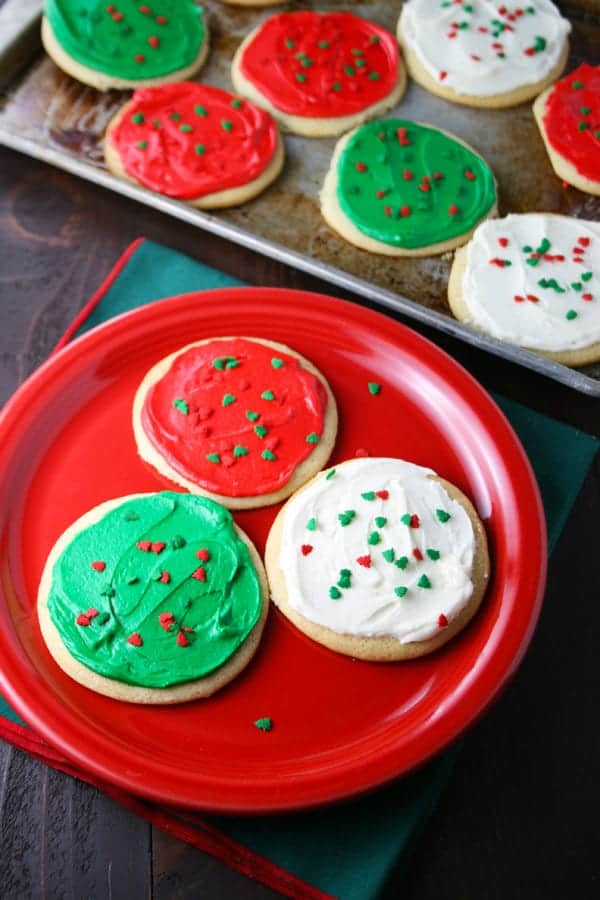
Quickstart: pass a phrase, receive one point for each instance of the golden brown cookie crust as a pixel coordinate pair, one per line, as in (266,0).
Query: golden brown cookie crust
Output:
(381,649)
(180,693)
(302,473)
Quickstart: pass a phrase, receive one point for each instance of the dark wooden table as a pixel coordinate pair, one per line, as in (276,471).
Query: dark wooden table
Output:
(519,817)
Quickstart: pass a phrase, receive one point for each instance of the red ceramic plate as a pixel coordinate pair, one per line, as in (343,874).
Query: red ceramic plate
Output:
(341,726)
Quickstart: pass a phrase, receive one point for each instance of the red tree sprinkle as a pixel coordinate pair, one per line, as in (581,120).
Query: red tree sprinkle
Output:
(364,561)
(144,545)
(98,565)
(118,17)
(203,554)
(185,628)
(452,210)
(306,549)
(182,640)
(387,210)
(532,298)
(443,76)
(135,639)
(407,175)
(424,186)
(405,211)
(157,546)
(381,194)
(442,620)
(360,167)
(92,612)
(199,574)
(414,521)
(144,9)
(161,20)
(166,619)
(519,299)
(139,58)
(165,578)
(153,41)
(82,619)
(469,175)
(383,495)
(587,297)
(584,241)
(437,176)
(503,242)
(417,554)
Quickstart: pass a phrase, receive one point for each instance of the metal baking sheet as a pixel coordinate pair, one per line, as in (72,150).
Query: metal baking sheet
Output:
(48,115)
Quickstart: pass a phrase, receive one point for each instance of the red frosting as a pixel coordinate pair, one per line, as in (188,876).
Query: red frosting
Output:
(572,119)
(188,140)
(321,65)
(207,418)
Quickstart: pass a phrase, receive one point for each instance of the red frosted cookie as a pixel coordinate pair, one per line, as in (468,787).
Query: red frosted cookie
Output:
(241,420)
(320,74)
(196,143)
(568,116)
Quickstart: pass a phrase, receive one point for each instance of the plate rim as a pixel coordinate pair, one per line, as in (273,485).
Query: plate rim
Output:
(312,795)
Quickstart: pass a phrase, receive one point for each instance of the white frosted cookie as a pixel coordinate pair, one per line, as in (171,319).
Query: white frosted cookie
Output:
(242,420)
(126,44)
(319,73)
(568,116)
(401,188)
(533,280)
(481,52)
(196,143)
(378,559)
(153,598)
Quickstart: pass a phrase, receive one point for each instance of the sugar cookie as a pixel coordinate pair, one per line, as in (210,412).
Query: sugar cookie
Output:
(153,598)
(568,116)
(242,420)
(404,189)
(319,74)
(125,44)
(195,142)
(481,53)
(378,559)
(533,280)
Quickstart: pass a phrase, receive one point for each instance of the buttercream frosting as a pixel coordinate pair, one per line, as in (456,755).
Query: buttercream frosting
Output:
(377,548)
(483,47)
(534,279)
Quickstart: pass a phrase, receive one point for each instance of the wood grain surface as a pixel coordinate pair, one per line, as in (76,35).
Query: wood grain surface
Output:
(518,819)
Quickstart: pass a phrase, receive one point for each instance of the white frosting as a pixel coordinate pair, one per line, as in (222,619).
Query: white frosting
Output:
(470,55)
(370,606)
(489,291)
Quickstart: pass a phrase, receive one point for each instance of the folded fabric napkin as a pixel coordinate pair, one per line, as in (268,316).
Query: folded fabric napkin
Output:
(347,851)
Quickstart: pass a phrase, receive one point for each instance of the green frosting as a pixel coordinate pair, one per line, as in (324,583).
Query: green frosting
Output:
(410,186)
(126,39)
(143,630)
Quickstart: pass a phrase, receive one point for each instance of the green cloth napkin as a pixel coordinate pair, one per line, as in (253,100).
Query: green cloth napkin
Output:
(349,850)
